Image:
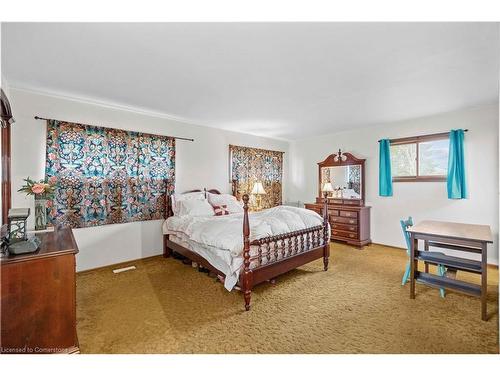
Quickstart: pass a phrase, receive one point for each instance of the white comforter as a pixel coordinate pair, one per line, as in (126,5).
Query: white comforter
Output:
(226,232)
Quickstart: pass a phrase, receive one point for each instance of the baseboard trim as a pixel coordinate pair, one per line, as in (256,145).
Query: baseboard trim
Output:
(120,265)
(490,265)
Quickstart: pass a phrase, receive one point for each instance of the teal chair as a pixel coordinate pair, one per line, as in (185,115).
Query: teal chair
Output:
(405,224)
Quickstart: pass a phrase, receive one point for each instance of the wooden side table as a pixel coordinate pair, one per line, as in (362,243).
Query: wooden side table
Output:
(470,238)
(38,297)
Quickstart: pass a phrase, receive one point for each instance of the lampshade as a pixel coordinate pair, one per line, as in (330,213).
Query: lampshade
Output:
(258,188)
(327,187)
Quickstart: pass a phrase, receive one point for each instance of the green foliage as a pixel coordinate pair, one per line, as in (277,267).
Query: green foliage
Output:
(42,189)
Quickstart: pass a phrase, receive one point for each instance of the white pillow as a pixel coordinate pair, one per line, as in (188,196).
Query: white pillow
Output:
(195,207)
(177,198)
(232,204)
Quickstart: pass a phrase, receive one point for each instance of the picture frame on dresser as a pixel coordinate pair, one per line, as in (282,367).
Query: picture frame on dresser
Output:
(348,215)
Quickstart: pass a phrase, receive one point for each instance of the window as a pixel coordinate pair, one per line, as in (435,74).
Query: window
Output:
(422,158)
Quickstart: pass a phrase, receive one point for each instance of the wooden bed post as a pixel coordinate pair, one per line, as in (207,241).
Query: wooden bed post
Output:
(247,273)
(166,250)
(234,188)
(326,239)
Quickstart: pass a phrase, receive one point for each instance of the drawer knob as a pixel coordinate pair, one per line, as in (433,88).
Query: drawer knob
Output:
(351,221)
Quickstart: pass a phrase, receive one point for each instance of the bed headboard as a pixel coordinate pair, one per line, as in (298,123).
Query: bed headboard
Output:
(168,205)
(212,191)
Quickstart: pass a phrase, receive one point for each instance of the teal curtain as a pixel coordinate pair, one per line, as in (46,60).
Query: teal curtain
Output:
(385,176)
(457,188)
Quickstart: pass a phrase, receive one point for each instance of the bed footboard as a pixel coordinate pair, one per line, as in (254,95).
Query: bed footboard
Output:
(276,255)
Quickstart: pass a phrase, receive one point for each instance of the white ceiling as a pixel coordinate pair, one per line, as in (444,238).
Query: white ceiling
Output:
(284,80)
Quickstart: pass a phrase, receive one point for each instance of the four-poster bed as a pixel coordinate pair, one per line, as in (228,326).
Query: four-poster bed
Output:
(263,258)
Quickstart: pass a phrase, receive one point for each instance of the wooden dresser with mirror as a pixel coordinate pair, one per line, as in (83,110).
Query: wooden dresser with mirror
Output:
(349,217)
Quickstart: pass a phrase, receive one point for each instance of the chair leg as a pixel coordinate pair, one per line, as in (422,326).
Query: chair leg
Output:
(441,272)
(406,274)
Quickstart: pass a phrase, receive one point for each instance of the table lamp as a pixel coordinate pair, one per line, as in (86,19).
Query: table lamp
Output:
(258,190)
(327,189)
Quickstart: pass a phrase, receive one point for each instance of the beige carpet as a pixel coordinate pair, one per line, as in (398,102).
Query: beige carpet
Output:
(358,306)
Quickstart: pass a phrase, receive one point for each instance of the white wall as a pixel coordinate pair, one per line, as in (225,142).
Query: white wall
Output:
(422,200)
(204,163)
(199,164)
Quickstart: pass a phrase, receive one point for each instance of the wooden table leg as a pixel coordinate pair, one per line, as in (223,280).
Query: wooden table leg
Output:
(426,248)
(413,247)
(484,281)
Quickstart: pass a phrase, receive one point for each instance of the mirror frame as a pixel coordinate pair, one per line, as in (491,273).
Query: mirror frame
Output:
(342,159)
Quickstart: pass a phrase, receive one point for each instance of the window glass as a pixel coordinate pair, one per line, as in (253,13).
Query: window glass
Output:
(403,160)
(433,158)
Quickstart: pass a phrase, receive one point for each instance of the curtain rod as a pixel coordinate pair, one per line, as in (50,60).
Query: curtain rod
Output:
(180,138)
(421,136)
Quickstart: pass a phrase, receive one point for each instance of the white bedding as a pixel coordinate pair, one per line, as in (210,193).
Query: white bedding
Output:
(219,239)
(226,232)
(220,259)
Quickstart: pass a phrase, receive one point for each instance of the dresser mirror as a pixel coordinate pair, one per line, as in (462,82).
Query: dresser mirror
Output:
(345,173)
(345,180)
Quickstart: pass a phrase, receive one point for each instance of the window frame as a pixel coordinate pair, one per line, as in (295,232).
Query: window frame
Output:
(417,140)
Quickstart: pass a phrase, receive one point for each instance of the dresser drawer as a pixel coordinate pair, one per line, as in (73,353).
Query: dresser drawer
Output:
(352,202)
(344,234)
(348,214)
(333,212)
(346,227)
(345,220)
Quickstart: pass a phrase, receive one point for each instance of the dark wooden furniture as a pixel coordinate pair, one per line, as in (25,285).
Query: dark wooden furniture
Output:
(275,254)
(6,120)
(349,218)
(38,297)
(455,236)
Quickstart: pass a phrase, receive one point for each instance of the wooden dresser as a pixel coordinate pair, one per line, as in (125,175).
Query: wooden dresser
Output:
(38,297)
(349,217)
(349,223)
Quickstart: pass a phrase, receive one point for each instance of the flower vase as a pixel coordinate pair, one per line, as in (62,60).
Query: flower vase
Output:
(40,213)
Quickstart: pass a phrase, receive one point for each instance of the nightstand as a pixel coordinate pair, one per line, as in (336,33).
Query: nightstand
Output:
(38,301)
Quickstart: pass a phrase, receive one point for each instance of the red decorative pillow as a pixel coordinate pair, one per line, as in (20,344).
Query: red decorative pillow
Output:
(221,210)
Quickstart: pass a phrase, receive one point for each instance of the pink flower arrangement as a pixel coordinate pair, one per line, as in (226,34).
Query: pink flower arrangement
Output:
(38,188)
(42,188)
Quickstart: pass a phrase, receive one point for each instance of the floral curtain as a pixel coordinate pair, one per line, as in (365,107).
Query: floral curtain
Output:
(251,165)
(107,176)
